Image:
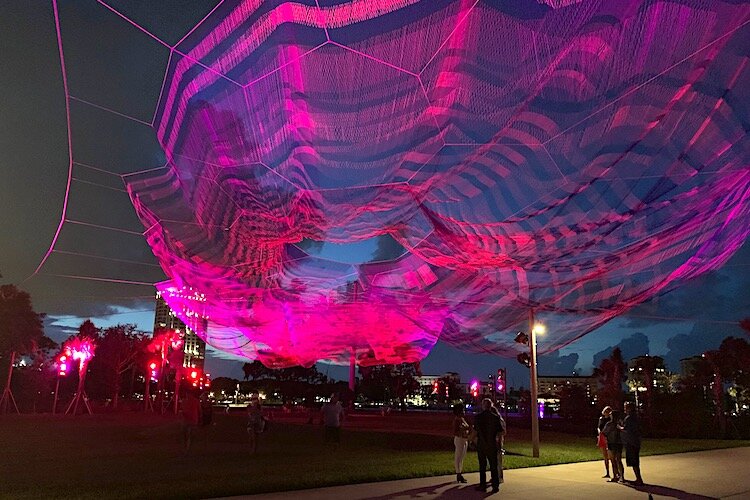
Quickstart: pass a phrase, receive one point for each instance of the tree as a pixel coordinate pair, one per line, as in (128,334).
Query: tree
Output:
(375,384)
(405,381)
(611,375)
(382,383)
(224,388)
(715,362)
(734,366)
(119,349)
(255,370)
(647,372)
(34,379)
(20,328)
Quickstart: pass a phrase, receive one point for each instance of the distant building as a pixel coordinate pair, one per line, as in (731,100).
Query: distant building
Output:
(689,366)
(193,347)
(644,370)
(552,384)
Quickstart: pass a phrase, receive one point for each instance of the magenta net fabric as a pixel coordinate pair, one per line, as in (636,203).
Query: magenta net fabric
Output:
(574,158)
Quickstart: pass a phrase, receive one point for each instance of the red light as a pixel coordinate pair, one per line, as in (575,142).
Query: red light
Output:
(63,358)
(152,366)
(474,389)
(194,374)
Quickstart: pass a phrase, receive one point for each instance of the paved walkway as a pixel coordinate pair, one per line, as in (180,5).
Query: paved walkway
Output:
(698,476)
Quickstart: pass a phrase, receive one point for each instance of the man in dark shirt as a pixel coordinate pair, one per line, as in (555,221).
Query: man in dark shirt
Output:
(490,429)
(632,439)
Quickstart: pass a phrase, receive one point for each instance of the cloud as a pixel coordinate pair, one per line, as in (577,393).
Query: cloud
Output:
(632,346)
(703,337)
(55,331)
(554,364)
(93,307)
(719,295)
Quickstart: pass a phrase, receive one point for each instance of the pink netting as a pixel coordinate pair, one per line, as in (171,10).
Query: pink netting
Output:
(575,158)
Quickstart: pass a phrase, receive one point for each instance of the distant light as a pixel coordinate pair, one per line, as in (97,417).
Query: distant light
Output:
(540,329)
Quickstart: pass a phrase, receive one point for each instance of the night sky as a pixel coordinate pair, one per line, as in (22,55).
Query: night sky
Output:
(34,168)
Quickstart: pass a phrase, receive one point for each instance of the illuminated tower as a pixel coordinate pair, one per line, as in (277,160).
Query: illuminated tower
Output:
(194,348)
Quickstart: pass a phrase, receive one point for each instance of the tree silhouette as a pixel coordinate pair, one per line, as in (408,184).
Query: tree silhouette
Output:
(385,382)
(611,374)
(643,372)
(118,351)
(21,329)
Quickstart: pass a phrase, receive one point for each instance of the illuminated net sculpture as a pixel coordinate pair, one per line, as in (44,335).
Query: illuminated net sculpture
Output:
(574,158)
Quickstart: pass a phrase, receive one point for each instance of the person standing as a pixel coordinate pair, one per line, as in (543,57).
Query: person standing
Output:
(332,415)
(602,439)
(191,417)
(256,423)
(614,445)
(500,444)
(461,431)
(490,429)
(631,430)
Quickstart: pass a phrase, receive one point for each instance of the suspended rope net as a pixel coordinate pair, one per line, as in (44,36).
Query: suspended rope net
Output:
(574,158)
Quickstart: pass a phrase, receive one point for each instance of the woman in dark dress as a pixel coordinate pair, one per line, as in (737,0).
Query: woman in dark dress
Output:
(601,441)
(614,445)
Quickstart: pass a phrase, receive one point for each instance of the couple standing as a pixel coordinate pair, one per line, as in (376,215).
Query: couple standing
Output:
(489,429)
(616,433)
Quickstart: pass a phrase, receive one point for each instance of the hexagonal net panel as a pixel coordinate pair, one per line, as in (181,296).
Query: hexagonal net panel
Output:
(574,158)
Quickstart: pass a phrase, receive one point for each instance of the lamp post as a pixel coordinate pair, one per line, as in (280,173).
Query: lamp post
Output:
(529,359)
(540,329)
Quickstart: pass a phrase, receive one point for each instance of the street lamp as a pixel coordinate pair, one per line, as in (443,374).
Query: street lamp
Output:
(530,361)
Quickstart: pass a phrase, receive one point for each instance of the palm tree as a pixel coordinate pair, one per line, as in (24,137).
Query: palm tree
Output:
(20,329)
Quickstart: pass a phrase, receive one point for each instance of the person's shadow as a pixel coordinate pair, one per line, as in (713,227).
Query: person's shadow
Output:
(665,491)
(456,492)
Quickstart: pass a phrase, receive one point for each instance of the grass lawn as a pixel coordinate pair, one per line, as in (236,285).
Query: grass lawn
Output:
(139,456)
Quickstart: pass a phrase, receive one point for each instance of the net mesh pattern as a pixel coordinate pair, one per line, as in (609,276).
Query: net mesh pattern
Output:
(573,158)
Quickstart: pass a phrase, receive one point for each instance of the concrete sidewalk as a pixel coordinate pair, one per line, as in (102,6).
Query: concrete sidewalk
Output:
(698,475)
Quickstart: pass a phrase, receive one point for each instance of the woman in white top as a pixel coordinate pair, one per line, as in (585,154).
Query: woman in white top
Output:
(461,431)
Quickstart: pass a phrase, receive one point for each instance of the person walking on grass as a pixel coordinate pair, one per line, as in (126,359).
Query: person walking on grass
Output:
(332,415)
(602,439)
(461,431)
(490,429)
(256,423)
(191,417)
(614,445)
(631,437)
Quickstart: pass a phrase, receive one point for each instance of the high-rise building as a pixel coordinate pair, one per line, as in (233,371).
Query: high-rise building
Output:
(193,347)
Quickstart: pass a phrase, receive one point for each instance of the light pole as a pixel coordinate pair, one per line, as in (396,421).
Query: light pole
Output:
(540,329)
